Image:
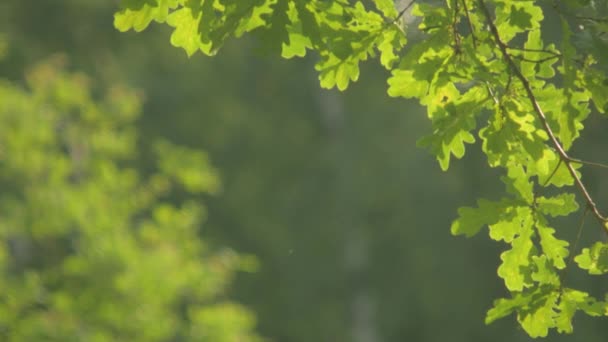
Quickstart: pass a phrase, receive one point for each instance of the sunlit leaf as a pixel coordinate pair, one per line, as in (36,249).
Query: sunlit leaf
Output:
(594,259)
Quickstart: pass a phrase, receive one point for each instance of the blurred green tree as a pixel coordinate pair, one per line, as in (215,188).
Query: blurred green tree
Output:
(93,251)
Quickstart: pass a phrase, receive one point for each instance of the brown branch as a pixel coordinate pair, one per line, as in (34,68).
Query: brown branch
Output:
(541,115)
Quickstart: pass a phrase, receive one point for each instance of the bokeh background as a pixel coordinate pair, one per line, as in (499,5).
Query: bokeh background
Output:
(341,222)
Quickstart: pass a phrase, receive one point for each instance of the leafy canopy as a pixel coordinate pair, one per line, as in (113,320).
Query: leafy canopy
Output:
(485,71)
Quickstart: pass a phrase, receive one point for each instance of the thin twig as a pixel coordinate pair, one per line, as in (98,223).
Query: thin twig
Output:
(535,50)
(466,12)
(541,115)
(559,163)
(578,235)
(595,19)
(536,61)
(571,252)
(584,162)
(402,12)
(496,101)
(509,81)
(454,29)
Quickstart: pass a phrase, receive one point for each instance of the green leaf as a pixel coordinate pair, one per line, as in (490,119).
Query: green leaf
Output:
(558,171)
(249,16)
(503,307)
(337,72)
(137,14)
(186,34)
(297,45)
(276,35)
(544,272)
(512,222)
(560,205)
(515,268)
(520,18)
(389,44)
(570,118)
(598,86)
(453,119)
(535,310)
(471,220)
(387,7)
(518,181)
(297,41)
(594,259)
(413,77)
(516,17)
(540,316)
(403,83)
(433,16)
(555,249)
(573,300)
(567,307)
(534,53)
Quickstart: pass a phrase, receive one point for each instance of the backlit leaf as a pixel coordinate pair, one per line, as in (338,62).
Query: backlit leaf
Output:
(594,259)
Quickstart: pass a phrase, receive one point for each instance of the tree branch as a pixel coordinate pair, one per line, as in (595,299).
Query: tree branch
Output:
(402,12)
(541,115)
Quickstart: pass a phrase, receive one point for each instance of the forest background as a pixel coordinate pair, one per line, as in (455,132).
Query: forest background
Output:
(347,220)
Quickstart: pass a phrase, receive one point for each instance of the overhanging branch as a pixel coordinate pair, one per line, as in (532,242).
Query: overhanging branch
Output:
(542,117)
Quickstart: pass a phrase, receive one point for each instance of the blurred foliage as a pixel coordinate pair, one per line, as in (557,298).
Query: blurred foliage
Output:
(92,249)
